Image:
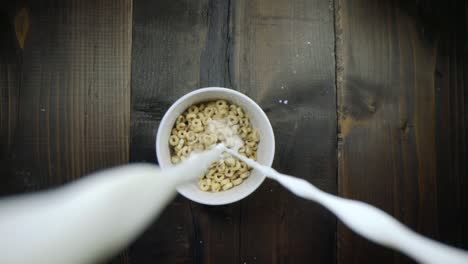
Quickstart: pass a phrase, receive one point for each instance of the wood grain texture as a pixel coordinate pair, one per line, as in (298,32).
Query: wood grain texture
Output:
(402,141)
(10,76)
(284,59)
(450,30)
(68,93)
(65,86)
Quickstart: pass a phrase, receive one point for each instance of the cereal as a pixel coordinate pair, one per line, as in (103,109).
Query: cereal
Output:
(204,125)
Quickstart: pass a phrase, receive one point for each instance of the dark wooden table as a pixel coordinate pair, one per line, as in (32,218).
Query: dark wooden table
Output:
(377,111)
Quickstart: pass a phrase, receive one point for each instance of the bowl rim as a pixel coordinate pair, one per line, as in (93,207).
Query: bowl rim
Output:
(257,108)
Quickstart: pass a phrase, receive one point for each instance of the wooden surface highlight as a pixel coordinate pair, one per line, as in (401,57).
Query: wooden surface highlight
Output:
(22,26)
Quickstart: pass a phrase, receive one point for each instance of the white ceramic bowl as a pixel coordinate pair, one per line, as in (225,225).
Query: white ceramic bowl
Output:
(259,121)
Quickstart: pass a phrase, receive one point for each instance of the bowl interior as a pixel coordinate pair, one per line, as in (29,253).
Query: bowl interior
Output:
(259,121)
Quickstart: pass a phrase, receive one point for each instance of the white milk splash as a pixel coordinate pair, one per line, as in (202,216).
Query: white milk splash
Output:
(91,219)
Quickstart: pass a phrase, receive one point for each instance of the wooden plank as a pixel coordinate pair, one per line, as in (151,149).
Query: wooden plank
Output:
(179,46)
(395,103)
(9,81)
(451,28)
(66,91)
(283,57)
(72,98)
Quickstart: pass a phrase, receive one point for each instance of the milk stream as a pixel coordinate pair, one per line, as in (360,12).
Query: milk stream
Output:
(367,220)
(93,218)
